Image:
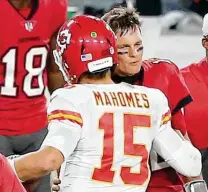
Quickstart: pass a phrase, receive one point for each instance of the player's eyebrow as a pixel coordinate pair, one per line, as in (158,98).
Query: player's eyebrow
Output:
(124,45)
(127,45)
(138,43)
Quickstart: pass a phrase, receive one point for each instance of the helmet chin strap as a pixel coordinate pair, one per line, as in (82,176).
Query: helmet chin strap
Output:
(58,61)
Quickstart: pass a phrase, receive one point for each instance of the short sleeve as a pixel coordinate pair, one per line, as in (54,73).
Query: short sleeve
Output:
(65,123)
(178,93)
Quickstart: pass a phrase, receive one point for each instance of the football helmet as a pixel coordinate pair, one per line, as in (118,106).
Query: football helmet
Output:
(84,43)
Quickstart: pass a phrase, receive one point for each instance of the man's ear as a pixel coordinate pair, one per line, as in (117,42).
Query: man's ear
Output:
(205,43)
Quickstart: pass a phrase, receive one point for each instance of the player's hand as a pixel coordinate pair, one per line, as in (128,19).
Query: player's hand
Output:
(55,186)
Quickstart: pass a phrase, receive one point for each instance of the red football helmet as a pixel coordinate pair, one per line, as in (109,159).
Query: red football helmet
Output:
(84,43)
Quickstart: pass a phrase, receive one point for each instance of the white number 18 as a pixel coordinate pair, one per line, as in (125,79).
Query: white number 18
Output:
(9,87)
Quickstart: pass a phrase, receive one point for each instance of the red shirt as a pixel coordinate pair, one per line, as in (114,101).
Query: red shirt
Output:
(196,114)
(165,75)
(8,179)
(24,46)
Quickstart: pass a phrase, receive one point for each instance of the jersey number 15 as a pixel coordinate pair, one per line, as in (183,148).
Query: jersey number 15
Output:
(106,172)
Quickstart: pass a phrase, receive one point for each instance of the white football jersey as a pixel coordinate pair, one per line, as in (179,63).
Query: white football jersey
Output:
(105,133)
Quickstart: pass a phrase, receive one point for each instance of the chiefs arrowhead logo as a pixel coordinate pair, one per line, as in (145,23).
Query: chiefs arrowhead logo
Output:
(63,39)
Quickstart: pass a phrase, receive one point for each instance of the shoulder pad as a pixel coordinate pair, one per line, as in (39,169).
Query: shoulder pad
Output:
(160,61)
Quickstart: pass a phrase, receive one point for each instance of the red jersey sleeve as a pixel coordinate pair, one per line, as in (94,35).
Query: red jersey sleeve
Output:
(8,179)
(178,93)
(58,14)
(178,122)
(179,97)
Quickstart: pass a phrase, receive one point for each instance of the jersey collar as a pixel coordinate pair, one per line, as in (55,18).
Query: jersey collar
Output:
(135,79)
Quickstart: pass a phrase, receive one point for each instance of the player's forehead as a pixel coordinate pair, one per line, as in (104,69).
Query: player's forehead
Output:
(130,37)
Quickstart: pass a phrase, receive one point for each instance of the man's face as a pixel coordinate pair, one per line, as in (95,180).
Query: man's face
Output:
(205,45)
(130,51)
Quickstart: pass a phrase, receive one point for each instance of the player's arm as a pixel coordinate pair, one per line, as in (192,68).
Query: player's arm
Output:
(181,155)
(177,101)
(193,181)
(37,164)
(60,142)
(177,152)
(59,11)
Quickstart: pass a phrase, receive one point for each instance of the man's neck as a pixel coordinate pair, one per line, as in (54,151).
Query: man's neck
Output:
(21,4)
(122,74)
(106,80)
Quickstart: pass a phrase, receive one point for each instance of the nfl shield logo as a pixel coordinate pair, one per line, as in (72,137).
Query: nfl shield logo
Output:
(29,25)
